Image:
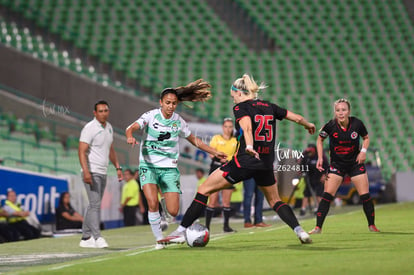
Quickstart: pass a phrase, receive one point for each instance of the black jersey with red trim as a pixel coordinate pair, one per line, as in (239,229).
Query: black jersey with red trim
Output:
(263,115)
(344,143)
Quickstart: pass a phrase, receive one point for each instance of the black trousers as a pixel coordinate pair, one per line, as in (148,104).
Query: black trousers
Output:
(25,230)
(130,218)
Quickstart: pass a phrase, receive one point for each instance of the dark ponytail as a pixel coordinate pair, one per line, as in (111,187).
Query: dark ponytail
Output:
(194,91)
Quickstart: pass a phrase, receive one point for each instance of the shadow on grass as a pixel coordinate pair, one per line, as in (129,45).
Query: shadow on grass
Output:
(395,233)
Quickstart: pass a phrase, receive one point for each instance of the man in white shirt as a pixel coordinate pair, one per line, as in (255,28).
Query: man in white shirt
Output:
(95,151)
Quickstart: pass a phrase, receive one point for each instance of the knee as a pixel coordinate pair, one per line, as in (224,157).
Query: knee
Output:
(173,212)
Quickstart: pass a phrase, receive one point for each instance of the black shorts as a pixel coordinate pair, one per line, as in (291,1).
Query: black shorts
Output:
(350,170)
(234,174)
(214,165)
(213,168)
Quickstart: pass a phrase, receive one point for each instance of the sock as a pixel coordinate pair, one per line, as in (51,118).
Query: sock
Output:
(226,214)
(194,211)
(286,214)
(369,210)
(209,214)
(180,228)
(323,208)
(298,229)
(154,219)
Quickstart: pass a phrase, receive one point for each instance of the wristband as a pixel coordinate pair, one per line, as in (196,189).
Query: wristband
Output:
(363,150)
(249,147)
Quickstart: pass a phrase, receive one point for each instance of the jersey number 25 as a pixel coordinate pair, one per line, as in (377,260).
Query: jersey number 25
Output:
(265,121)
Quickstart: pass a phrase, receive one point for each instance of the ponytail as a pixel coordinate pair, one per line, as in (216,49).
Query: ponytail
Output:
(198,90)
(247,85)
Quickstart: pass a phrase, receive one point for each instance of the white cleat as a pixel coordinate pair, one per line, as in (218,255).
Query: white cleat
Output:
(89,243)
(174,237)
(316,230)
(101,243)
(304,237)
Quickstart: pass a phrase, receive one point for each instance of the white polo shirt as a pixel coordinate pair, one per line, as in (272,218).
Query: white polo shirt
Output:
(100,140)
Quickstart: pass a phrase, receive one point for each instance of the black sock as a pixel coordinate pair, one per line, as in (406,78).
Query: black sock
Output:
(368,206)
(194,211)
(209,214)
(226,214)
(323,208)
(286,214)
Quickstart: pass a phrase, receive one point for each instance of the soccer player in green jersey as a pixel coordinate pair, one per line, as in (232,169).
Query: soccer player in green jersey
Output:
(159,149)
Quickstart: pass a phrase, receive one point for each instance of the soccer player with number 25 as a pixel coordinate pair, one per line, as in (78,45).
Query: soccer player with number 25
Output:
(256,125)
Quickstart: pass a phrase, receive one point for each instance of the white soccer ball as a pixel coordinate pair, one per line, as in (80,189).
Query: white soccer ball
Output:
(197,235)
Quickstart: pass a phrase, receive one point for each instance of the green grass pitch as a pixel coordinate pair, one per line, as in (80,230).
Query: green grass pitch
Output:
(345,247)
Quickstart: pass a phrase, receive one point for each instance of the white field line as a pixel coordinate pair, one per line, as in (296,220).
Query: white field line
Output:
(60,267)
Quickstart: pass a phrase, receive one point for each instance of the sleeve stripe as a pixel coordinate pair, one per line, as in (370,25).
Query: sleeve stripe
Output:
(242,117)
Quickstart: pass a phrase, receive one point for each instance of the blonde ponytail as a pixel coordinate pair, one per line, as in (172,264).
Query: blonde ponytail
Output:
(248,86)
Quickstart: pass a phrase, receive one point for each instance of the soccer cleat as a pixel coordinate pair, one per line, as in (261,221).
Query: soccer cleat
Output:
(101,243)
(174,237)
(159,246)
(316,230)
(262,224)
(373,228)
(89,243)
(304,237)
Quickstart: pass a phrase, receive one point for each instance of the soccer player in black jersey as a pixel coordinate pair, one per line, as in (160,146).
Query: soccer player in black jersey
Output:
(344,133)
(256,123)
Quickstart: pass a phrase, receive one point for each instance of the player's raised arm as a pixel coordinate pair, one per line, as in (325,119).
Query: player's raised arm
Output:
(302,121)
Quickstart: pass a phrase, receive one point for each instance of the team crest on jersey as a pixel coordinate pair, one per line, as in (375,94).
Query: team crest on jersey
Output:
(354,135)
(174,127)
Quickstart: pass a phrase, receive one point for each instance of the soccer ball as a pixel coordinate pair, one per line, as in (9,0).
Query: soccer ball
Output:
(197,235)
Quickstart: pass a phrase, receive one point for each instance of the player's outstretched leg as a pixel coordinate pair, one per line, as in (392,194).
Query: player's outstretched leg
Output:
(193,212)
(287,215)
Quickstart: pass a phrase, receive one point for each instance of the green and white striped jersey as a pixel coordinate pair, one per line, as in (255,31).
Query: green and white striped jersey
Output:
(159,146)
